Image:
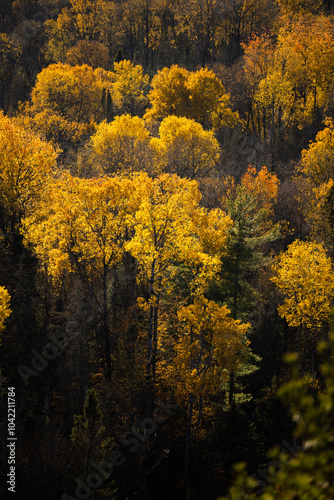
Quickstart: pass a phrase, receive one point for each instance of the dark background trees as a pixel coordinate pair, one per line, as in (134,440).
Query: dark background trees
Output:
(249,83)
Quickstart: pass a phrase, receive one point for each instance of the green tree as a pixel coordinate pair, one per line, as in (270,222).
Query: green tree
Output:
(250,208)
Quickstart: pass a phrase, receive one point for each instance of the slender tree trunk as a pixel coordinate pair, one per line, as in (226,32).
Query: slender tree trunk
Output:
(155,338)
(150,326)
(235,311)
(106,325)
(187,449)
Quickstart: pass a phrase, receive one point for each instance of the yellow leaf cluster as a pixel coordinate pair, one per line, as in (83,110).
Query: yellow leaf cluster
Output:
(318,159)
(130,87)
(170,228)
(210,346)
(299,74)
(185,148)
(198,95)
(305,277)
(123,146)
(4,306)
(27,163)
(84,223)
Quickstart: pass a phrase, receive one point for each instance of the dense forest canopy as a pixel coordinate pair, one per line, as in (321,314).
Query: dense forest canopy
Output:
(166,238)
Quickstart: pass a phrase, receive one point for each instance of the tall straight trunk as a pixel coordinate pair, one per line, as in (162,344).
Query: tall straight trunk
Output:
(150,326)
(106,330)
(235,309)
(155,338)
(189,439)
(187,449)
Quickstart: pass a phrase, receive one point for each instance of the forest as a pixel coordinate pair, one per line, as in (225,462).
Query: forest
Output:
(166,249)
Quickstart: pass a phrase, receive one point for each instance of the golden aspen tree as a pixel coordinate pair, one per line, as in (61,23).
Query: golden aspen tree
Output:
(317,160)
(197,95)
(27,163)
(298,80)
(123,146)
(70,91)
(130,88)
(170,94)
(161,232)
(304,275)
(170,228)
(209,103)
(64,102)
(82,228)
(185,148)
(210,346)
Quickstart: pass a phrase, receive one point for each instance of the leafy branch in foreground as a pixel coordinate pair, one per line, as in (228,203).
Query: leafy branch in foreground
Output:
(309,474)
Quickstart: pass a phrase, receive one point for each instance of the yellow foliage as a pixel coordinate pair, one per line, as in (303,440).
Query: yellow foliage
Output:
(210,345)
(318,159)
(65,101)
(171,228)
(169,95)
(70,91)
(123,145)
(299,76)
(130,87)
(84,223)
(185,148)
(27,163)
(209,103)
(4,307)
(305,277)
(196,95)
(162,223)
